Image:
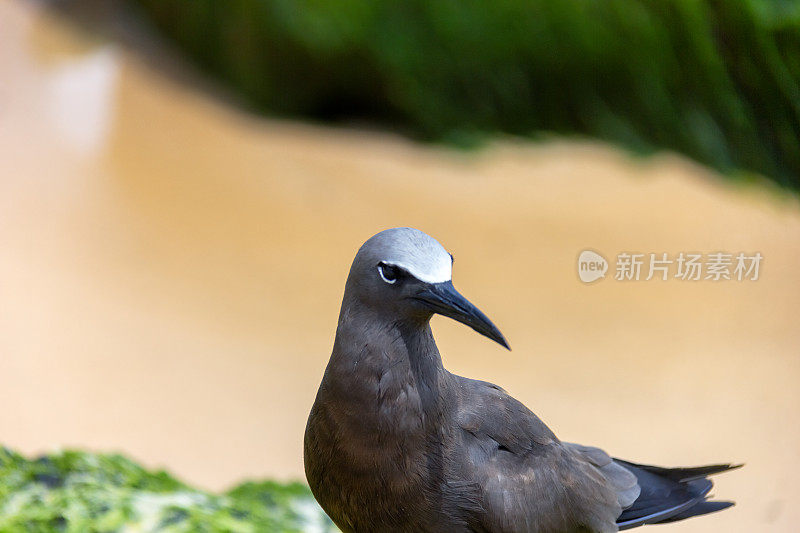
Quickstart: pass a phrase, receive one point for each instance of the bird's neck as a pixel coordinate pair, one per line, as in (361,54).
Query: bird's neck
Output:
(386,368)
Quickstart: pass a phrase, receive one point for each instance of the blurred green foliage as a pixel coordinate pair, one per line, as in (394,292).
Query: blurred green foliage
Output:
(714,79)
(81,492)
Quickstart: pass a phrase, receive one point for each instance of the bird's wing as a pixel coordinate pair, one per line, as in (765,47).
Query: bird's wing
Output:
(531,481)
(621,479)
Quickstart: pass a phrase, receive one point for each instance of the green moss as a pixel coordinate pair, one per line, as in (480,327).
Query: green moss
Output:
(75,491)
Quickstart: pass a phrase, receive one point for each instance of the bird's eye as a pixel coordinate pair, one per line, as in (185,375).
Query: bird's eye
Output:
(388,273)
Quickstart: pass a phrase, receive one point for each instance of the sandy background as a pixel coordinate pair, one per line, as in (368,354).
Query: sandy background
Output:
(171,270)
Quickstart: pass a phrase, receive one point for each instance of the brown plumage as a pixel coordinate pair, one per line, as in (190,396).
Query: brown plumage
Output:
(395,442)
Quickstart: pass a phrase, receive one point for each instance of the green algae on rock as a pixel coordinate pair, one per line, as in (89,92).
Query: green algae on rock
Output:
(76,491)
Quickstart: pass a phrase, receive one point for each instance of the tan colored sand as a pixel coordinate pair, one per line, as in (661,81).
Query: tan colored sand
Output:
(169,285)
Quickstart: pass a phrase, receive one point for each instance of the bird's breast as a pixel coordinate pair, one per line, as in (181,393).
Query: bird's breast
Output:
(369,447)
(377,476)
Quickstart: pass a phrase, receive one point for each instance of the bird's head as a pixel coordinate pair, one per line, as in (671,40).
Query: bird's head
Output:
(403,273)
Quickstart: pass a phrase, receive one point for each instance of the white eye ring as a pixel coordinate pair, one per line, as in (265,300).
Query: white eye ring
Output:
(383,276)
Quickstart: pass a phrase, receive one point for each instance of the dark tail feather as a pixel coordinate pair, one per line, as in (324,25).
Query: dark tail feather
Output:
(670,494)
(682,475)
(699,509)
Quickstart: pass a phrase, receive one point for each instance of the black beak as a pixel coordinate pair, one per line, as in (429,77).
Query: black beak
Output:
(444,299)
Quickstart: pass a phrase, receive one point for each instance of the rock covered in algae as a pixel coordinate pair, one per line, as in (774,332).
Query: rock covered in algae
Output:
(76,491)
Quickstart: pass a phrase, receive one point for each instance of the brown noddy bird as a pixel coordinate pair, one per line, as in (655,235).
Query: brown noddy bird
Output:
(396,443)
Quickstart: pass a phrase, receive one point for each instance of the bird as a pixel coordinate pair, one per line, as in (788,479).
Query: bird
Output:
(396,443)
